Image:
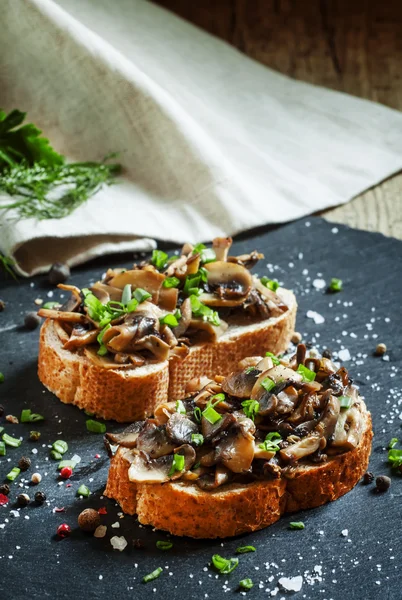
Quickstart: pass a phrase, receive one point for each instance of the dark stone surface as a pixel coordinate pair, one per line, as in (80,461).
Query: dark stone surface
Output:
(363,564)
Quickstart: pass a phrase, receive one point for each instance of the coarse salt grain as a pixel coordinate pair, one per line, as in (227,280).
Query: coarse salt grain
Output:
(345,532)
(319,284)
(100,531)
(115,525)
(291,584)
(344,355)
(118,543)
(317,318)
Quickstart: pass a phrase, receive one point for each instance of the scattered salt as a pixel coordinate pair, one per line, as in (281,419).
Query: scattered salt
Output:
(317,318)
(118,543)
(291,584)
(100,531)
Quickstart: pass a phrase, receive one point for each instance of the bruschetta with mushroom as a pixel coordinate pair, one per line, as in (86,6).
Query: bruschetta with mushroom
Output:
(132,340)
(275,436)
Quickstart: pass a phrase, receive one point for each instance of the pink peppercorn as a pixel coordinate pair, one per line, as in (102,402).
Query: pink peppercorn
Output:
(63,530)
(66,472)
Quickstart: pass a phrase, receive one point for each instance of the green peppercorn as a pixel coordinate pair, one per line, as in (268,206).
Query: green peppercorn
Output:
(24,463)
(40,497)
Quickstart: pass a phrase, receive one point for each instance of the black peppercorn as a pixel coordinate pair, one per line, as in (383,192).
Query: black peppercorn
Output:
(327,353)
(1,410)
(4,489)
(2,305)
(383,483)
(59,273)
(24,463)
(40,497)
(31,320)
(23,499)
(368,477)
(34,436)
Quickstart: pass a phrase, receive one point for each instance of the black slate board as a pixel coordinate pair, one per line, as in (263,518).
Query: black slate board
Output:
(363,564)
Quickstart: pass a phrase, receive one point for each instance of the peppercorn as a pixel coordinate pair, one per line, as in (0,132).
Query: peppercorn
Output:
(24,463)
(63,530)
(2,305)
(59,273)
(89,520)
(31,320)
(296,338)
(34,436)
(4,489)
(23,499)
(36,478)
(66,472)
(380,349)
(368,478)
(327,353)
(383,483)
(1,410)
(40,497)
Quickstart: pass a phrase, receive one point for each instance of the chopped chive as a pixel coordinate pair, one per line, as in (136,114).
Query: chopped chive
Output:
(198,247)
(95,426)
(60,446)
(171,282)
(177,314)
(207,255)
(155,574)
(102,350)
(141,295)
(1,377)
(268,384)
(102,333)
(218,398)
(161,545)
(211,415)
(271,284)
(83,490)
(3,451)
(246,584)
(56,455)
(336,285)
(126,294)
(250,370)
(197,439)
(197,413)
(201,310)
(11,441)
(177,465)
(245,549)
(50,305)
(306,373)
(180,408)
(393,443)
(224,565)
(296,525)
(159,259)
(13,474)
(269,444)
(169,320)
(345,401)
(132,305)
(251,408)
(275,360)
(29,417)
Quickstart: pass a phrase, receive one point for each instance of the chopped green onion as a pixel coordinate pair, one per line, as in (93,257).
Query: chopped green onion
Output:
(207,255)
(141,295)
(200,310)
(246,584)
(345,401)
(198,248)
(1,378)
(95,307)
(95,426)
(268,384)
(250,370)
(395,458)
(296,525)
(306,374)
(169,320)
(50,305)
(132,305)
(126,295)
(203,273)
(271,284)
(10,441)
(269,444)
(251,408)
(159,259)
(197,413)
(224,565)
(56,455)
(29,417)
(102,333)
(197,439)
(180,408)
(218,398)
(171,282)
(335,285)
(211,415)
(102,350)
(275,360)
(177,314)
(196,466)
(66,463)
(191,285)
(393,443)
(1,429)
(13,474)
(83,490)
(177,465)
(161,545)
(155,574)
(60,446)
(2,449)
(245,549)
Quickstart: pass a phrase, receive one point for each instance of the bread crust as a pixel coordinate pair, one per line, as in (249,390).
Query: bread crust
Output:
(183,509)
(127,395)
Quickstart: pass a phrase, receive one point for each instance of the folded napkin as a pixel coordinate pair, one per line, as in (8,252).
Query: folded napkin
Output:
(211,141)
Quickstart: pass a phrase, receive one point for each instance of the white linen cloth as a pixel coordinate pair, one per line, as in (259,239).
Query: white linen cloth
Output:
(211,141)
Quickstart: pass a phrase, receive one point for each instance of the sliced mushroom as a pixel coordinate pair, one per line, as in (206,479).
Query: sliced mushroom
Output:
(154,440)
(193,264)
(148,278)
(128,437)
(75,299)
(327,423)
(70,317)
(212,430)
(236,452)
(246,260)
(204,331)
(231,283)
(61,332)
(185,318)
(81,337)
(147,470)
(106,293)
(268,294)
(211,481)
(221,248)
(348,430)
(164,411)
(169,336)
(300,449)
(103,361)
(155,345)
(250,361)
(168,298)
(261,453)
(180,428)
(265,363)
(240,384)
(197,383)
(178,268)
(189,455)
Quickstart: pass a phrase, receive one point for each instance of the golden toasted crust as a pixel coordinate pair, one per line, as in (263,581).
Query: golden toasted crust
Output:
(128,395)
(123,395)
(184,509)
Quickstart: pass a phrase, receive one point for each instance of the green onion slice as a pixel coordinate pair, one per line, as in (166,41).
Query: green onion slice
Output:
(269,444)
(224,565)
(306,374)
(271,284)
(83,490)
(95,426)
(126,295)
(197,439)
(11,441)
(171,282)
(141,295)
(296,525)
(60,446)
(13,474)
(246,584)
(336,285)
(197,414)
(56,455)
(169,320)
(66,463)
(3,451)
(395,458)
(251,408)
(180,408)
(201,310)
(177,465)
(155,574)
(50,305)
(345,401)
(211,415)
(268,384)
(393,443)
(132,305)
(275,360)
(162,545)
(245,549)
(159,259)
(29,417)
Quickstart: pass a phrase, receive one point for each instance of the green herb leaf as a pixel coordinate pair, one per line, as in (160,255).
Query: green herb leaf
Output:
(162,545)
(3,451)
(336,285)
(271,284)
(296,525)
(177,465)
(95,426)
(83,490)
(180,408)
(197,439)
(275,360)
(393,443)
(224,565)
(246,584)
(171,282)
(395,458)
(251,408)
(154,575)
(306,373)
(210,414)
(197,413)
(132,305)
(159,259)
(245,549)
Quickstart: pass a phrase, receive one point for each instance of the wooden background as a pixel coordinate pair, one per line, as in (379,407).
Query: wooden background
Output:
(354,46)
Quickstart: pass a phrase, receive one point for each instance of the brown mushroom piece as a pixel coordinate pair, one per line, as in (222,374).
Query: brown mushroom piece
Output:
(240,384)
(180,428)
(168,298)
(231,284)
(185,318)
(250,361)
(70,317)
(204,331)
(148,279)
(236,451)
(221,248)
(300,449)
(212,430)
(197,384)
(154,440)
(81,337)
(144,469)
(247,260)
(106,362)
(211,481)
(75,299)
(106,293)
(128,437)
(273,300)
(349,426)
(327,422)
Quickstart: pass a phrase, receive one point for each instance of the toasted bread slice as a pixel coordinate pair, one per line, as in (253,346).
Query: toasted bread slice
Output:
(184,509)
(126,395)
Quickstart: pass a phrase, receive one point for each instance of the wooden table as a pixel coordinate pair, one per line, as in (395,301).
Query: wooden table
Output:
(354,46)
